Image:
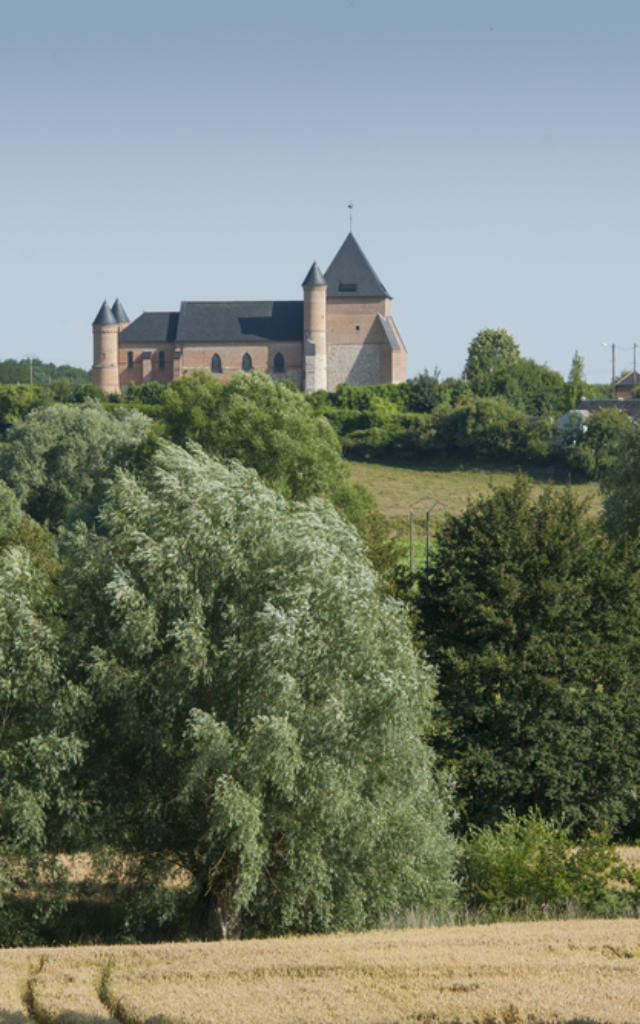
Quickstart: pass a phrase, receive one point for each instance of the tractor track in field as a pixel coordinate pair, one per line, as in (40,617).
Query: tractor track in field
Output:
(106,1010)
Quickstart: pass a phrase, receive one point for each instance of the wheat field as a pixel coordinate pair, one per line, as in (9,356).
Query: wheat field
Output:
(550,971)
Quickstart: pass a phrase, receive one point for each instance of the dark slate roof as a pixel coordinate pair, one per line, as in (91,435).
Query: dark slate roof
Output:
(350,273)
(118,311)
(149,328)
(391,334)
(239,321)
(632,377)
(105,316)
(314,277)
(631,406)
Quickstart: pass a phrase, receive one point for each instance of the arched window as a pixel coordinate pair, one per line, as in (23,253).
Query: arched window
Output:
(246,362)
(216,363)
(278,363)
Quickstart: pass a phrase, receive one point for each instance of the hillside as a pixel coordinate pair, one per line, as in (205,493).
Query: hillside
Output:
(547,971)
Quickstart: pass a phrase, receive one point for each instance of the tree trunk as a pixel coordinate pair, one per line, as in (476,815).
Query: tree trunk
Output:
(207,919)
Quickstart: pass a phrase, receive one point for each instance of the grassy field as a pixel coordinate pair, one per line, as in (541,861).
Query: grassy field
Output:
(566,971)
(445,489)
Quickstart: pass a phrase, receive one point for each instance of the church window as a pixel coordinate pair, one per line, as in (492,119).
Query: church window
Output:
(246,362)
(347,286)
(161,360)
(129,360)
(216,363)
(278,363)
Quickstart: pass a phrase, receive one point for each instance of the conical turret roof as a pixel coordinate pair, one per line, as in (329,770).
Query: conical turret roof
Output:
(314,277)
(105,316)
(119,312)
(350,273)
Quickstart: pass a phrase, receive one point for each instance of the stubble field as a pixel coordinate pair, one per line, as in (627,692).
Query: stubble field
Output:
(561,971)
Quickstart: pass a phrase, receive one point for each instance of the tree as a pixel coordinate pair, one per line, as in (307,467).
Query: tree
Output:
(621,486)
(527,385)
(424,392)
(270,427)
(39,751)
(596,449)
(16,400)
(490,351)
(531,618)
(60,459)
(576,384)
(263,424)
(256,711)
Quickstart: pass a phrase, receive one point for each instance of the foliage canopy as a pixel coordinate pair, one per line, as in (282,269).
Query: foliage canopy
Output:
(256,711)
(531,617)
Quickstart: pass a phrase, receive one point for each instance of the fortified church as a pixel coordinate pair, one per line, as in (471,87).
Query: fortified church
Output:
(340,331)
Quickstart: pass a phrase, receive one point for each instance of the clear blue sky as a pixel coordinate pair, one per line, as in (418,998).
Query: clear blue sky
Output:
(162,151)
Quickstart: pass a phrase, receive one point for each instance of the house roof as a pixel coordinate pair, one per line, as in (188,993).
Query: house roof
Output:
(632,378)
(350,273)
(239,321)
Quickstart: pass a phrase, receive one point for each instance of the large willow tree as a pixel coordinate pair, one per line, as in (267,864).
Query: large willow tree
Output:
(256,712)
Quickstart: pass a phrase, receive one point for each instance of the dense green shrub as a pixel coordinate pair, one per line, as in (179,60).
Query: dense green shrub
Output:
(528,866)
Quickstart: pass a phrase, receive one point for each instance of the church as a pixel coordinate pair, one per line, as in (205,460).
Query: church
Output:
(340,331)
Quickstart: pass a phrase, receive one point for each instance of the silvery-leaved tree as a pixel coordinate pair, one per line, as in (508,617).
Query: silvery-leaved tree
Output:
(38,749)
(257,713)
(60,459)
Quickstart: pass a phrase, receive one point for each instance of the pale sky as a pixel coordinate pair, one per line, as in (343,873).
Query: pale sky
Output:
(161,151)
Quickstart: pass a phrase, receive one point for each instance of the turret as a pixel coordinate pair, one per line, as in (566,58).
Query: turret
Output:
(315,331)
(120,315)
(106,328)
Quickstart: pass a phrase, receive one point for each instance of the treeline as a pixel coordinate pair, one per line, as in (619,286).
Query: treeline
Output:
(504,408)
(201,670)
(34,371)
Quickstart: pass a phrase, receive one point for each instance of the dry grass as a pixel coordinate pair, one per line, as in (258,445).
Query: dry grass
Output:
(396,487)
(504,973)
(630,855)
(14,969)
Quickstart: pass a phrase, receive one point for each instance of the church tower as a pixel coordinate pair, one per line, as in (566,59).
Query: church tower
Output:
(105,351)
(315,331)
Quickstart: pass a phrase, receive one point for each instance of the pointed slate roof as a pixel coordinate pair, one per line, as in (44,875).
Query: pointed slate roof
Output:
(118,311)
(105,316)
(350,273)
(314,277)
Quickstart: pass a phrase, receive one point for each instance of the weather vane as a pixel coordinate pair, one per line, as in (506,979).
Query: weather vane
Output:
(350,208)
